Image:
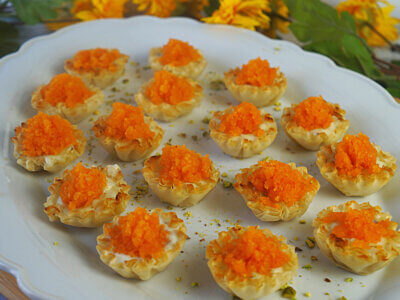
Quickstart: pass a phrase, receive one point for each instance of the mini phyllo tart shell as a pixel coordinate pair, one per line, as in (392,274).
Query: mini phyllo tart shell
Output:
(128,149)
(260,94)
(169,186)
(61,89)
(264,273)
(291,205)
(243,144)
(339,242)
(165,111)
(102,73)
(143,265)
(31,155)
(111,200)
(191,62)
(315,138)
(357,182)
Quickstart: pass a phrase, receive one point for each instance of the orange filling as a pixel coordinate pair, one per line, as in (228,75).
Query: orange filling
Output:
(81,186)
(257,72)
(245,119)
(279,183)
(65,88)
(94,59)
(355,155)
(314,112)
(126,123)
(252,252)
(178,53)
(46,135)
(169,88)
(360,225)
(181,165)
(138,234)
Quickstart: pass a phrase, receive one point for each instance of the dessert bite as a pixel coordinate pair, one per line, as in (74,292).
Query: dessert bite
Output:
(357,237)
(167,96)
(256,82)
(67,96)
(180,176)
(99,67)
(87,197)
(314,122)
(355,166)
(141,243)
(127,133)
(276,191)
(179,58)
(243,131)
(250,263)
(47,143)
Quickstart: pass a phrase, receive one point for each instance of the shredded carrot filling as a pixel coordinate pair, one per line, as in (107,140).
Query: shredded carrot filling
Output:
(181,165)
(169,88)
(245,119)
(314,112)
(178,53)
(250,253)
(257,72)
(46,135)
(94,59)
(355,154)
(81,186)
(279,183)
(138,234)
(126,123)
(360,224)
(65,88)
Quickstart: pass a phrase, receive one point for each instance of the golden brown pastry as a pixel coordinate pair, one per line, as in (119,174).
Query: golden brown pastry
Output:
(276,191)
(141,244)
(357,237)
(67,96)
(127,133)
(87,197)
(314,123)
(180,176)
(99,67)
(250,262)
(355,166)
(168,96)
(243,131)
(47,143)
(256,82)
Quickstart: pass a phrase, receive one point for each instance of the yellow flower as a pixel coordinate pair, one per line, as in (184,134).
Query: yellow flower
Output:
(278,11)
(378,17)
(158,8)
(243,13)
(87,10)
(196,7)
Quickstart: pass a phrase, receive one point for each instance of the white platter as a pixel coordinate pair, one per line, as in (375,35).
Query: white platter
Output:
(72,269)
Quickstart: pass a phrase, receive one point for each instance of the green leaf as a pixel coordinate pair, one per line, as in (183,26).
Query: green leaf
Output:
(213,6)
(395,92)
(8,38)
(34,11)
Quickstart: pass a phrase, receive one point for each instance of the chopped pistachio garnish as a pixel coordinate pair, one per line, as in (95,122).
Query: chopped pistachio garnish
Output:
(146,68)
(182,135)
(349,279)
(277,108)
(179,278)
(314,258)
(227,184)
(302,222)
(125,81)
(310,244)
(55,243)
(343,298)
(307,267)
(206,120)
(217,85)
(288,292)
(224,174)
(195,284)
(191,121)
(307,294)
(205,134)
(195,138)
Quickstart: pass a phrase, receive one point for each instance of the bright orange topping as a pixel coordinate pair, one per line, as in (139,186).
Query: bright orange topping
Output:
(65,88)
(181,165)
(46,135)
(81,186)
(178,53)
(257,72)
(94,59)
(355,154)
(252,252)
(169,88)
(138,234)
(278,182)
(312,113)
(245,119)
(359,224)
(126,123)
